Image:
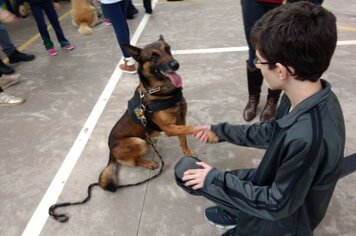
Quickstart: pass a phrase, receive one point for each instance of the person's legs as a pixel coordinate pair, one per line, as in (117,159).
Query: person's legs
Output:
(41,25)
(147,4)
(218,216)
(7,46)
(117,14)
(53,19)
(252,11)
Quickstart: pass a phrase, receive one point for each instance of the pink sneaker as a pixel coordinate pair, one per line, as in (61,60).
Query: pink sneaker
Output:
(68,47)
(107,22)
(52,51)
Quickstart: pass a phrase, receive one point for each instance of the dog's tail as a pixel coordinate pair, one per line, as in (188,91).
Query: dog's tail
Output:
(108,178)
(85,29)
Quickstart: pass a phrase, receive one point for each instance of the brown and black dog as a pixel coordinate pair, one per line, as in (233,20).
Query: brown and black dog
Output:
(158,102)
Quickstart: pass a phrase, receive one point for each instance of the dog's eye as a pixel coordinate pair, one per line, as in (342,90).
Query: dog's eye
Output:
(168,49)
(154,57)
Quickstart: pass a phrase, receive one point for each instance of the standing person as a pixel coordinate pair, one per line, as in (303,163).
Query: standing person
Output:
(289,192)
(8,80)
(117,10)
(49,7)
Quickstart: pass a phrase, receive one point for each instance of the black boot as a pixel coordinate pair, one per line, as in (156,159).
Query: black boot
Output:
(254,83)
(270,109)
(17,56)
(5,69)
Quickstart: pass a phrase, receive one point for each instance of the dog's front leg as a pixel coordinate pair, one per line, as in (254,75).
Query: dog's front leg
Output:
(181,131)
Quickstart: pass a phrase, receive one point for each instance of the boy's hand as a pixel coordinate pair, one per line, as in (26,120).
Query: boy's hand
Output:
(6,16)
(22,10)
(195,177)
(204,134)
(57,6)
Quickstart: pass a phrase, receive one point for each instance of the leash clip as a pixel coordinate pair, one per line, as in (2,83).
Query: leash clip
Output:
(140,114)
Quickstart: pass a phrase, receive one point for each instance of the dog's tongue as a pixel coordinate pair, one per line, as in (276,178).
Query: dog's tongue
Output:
(175,79)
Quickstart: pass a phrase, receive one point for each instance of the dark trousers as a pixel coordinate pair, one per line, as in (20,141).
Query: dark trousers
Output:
(51,13)
(117,15)
(222,200)
(252,11)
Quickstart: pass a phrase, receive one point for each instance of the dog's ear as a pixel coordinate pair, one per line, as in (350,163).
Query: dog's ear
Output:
(135,52)
(161,37)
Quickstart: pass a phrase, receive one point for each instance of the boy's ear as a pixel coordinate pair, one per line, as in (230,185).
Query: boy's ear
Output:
(282,71)
(133,51)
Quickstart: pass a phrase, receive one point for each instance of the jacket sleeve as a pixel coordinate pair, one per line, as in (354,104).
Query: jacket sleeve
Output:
(273,202)
(256,135)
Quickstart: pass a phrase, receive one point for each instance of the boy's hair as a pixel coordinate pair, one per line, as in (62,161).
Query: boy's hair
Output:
(301,35)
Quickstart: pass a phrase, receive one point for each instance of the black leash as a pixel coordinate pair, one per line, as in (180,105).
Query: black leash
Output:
(140,114)
(64,218)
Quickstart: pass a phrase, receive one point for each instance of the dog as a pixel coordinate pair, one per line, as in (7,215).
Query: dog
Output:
(84,16)
(157,106)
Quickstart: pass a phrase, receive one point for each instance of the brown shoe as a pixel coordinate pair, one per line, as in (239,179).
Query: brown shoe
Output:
(128,69)
(251,107)
(269,111)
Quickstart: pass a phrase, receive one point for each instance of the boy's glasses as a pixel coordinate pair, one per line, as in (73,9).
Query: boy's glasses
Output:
(258,64)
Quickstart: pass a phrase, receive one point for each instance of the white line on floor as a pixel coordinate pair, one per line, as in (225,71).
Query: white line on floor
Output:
(237,49)
(39,218)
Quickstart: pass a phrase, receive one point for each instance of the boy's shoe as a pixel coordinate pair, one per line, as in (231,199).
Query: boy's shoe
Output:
(128,69)
(68,47)
(107,22)
(17,56)
(220,218)
(8,80)
(52,51)
(9,100)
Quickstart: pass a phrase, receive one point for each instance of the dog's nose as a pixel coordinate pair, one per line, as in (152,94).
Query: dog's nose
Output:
(174,65)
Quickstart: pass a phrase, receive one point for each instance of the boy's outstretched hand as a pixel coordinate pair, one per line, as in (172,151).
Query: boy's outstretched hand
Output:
(195,178)
(204,134)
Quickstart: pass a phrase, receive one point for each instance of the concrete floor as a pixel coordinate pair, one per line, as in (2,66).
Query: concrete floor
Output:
(54,145)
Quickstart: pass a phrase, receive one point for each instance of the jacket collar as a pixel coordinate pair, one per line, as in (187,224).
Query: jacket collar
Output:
(304,106)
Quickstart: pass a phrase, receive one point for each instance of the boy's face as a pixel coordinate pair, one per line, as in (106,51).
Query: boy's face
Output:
(271,76)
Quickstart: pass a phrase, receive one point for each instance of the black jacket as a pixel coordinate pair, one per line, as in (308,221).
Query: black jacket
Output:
(289,192)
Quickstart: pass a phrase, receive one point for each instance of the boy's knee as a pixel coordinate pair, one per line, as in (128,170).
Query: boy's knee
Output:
(184,164)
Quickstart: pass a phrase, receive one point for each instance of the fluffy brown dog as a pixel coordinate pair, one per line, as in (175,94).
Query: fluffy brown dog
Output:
(158,102)
(84,16)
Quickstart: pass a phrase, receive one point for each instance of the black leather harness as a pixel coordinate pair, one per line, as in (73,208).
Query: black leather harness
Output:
(137,105)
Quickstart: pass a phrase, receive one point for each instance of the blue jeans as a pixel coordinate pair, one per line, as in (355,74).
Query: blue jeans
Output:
(7,46)
(51,13)
(117,14)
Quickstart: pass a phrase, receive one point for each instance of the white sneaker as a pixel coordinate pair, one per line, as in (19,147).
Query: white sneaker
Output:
(8,80)
(9,100)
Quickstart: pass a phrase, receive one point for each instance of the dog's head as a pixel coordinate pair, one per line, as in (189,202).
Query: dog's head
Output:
(157,67)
